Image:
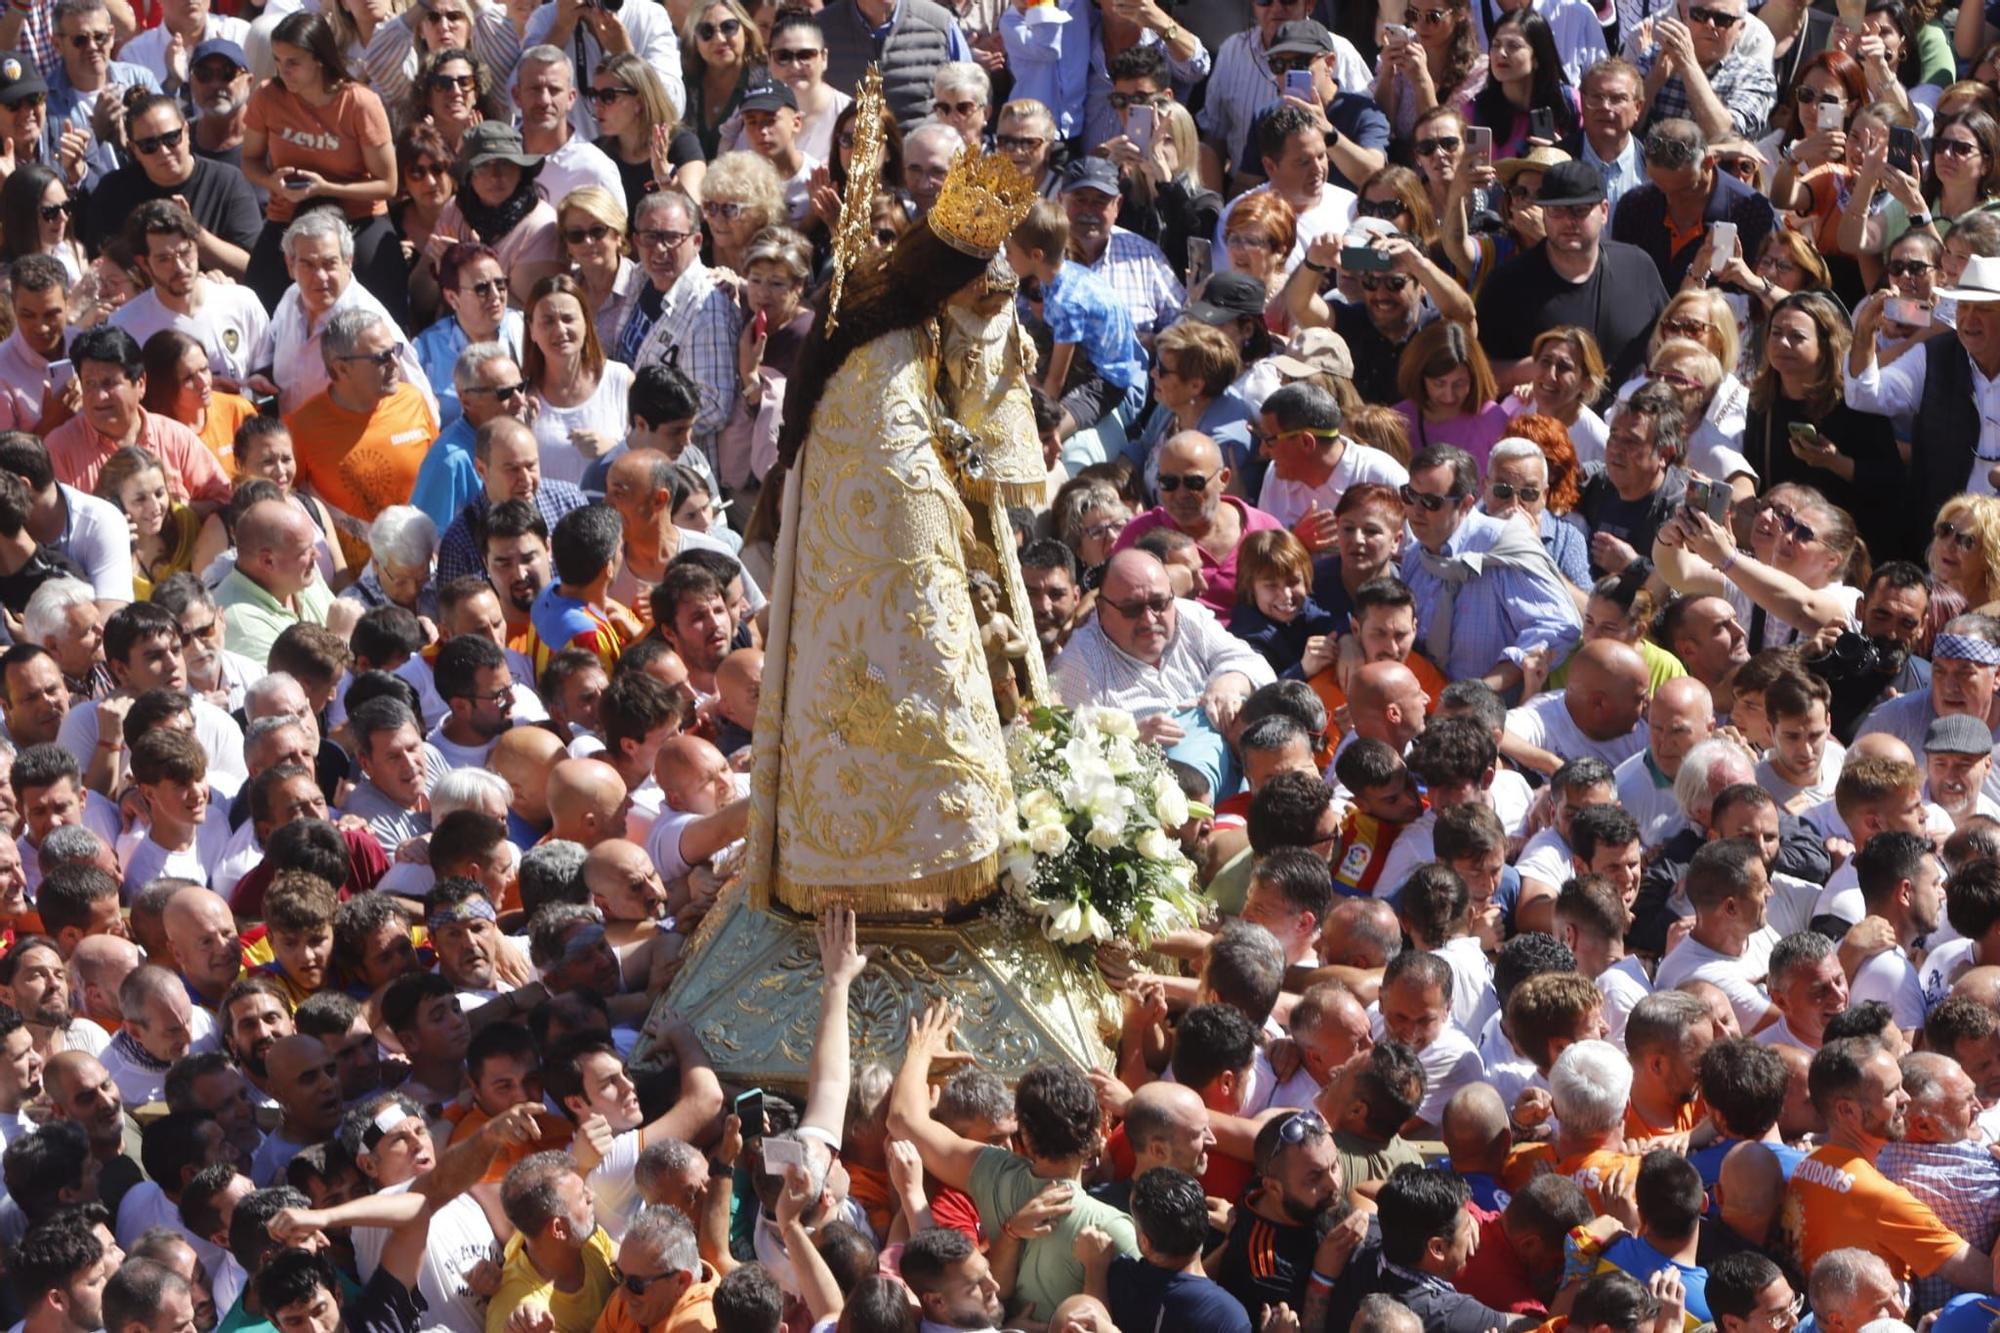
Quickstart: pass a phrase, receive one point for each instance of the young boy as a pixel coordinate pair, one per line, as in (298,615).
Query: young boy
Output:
(187,835)
(1385,803)
(575,611)
(1592,918)
(1436,912)
(1083,315)
(299,910)
(1804,760)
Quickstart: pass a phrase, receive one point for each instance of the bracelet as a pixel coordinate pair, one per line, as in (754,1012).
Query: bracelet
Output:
(1317,268)
(113,746)
(1728,563)
(1320,1279)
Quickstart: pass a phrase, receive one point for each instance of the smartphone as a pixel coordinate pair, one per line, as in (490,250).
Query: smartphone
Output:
(1398,33)
(1802,430)
(1542,124)
(1299,84)
(60,374)
(762,324)
(1709,497)
(1365,259)
(1200,261)
(293,181)
(1903,148)
(1900,309)
(1831,120)
(1479,145)
(1139,123)
(750,1113)
(1853,14)
(1721,245)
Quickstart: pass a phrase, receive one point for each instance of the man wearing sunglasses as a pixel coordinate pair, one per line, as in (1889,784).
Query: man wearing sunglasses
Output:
(1357,133)
(371,428)
(561,26)
(79,112)
(219,77)
(1192,484)
(1479,619)
(663,1282)
(163,165)
(1669,217)
(554,121)
(1705,64)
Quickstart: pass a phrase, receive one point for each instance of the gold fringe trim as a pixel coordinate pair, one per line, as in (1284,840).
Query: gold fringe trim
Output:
(1029,493)
(933,895)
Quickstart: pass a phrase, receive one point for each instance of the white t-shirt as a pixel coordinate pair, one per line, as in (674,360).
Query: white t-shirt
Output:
(1793,797)
(148,860)
(663,840)
(100,541)
(229,322)
(146,1206)
(1507,1069)
(1544,721)
(1288,501)
(613,1185)
(1943,965)
(221,739)
(1890,978)
(460,756)
(1547,858)
(1651,804)
(1512,797)
(100,816)
(1780,1034)
(1473,1000)
(1741,979)
(460,1236)
(646,802)
(1622,985)
(1790,907)
(603,412)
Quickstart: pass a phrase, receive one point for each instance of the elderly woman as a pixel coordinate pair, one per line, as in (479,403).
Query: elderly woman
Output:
(592,227)
(1569,377)
(962,97)
(1715,401)
(740,196)
(1964,553)
(402,546)
(777,268)
(1026,135)
(1800,590)
(499,205)
(1517,484)
(1088,517)
(1194,367)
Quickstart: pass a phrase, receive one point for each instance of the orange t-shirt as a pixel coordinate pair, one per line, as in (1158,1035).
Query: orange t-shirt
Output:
(327,140)
(226,412)
(1327,687)
(1685,1119)
(360,465)
(1592,1170)
(1836,1195)
(467,1120)
(694,1312)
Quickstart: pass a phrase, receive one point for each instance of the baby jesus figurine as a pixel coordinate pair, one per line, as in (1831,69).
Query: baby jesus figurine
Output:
(1006,647)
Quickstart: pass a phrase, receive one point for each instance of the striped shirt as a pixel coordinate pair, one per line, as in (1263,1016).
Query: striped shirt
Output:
(1137,271)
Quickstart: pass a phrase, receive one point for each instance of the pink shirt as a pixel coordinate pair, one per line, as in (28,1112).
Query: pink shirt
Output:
(1476,434)
(24,381)
(78,451)
(1220,595)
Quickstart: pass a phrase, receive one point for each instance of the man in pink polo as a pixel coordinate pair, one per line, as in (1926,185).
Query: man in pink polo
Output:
(1192,480)
(113,381)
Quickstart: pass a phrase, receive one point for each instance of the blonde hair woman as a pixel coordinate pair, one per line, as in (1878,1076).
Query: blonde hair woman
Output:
(593,230)
(1569,377)
(638,130)
(1964,552)
(1714,402)
(720,47)
(741,196)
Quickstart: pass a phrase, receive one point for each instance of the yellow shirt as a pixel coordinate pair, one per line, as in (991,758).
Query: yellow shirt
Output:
(574,1311)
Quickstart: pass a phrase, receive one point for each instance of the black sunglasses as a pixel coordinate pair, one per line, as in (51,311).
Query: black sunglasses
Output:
(1388,210)
(153,143)
(1446,142)
(56,212)
(597,231)
(1412,496)
(1506,491)
(1194,481)
(707,32)
(1965,541)
(1715,18)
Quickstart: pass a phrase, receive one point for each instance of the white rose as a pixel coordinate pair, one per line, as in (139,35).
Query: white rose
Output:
(1041,807)
(1120,757)
(1170,803)
(1019,868)
(1117,722)
(1155,845)
(1048,839)
(1107,829)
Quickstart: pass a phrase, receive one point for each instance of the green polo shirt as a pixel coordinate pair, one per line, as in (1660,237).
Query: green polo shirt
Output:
(1049,1273)
(252,619)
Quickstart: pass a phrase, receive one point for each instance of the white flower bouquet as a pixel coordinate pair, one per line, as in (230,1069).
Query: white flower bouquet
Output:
(1094,853)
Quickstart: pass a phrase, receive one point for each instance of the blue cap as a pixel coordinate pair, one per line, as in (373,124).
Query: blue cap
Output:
(219,46)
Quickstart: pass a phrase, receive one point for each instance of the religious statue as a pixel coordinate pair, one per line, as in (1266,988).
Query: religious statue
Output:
(1006,647)
(885,780)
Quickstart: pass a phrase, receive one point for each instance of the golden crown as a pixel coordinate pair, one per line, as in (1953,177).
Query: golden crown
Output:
(983,199)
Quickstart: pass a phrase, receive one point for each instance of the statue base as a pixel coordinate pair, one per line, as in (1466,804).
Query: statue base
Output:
(750,989)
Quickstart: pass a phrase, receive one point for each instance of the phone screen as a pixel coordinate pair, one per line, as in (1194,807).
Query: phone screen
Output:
(1542,124)
(1200,262)
(1139,127)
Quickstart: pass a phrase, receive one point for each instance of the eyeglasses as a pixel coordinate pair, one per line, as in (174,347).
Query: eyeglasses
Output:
(498,696)
(86,41)
(1714,18)
(1433,503)
(966,108)
(1442,143)
(1384,282)
(1018,143)
(1684,326)
(1743,168)
(1299,1126)
(1126,101)
(606,96)
(487,290)
(634,1284)
(1796,530)
(592,234)
(57,212)
(1965,541)
(1431,15)
(708,32)
(1388,210)
(381,360)
(1677,380)
(1669,153)
(1506,491)
(798,55)
(1105,531)
(1909,268)
(193,633)
(1194,481)
(445,15)
(659,238)
(153,143)
(460,83)
(426,171)
(723,210)
(1157,606)
(1956,148)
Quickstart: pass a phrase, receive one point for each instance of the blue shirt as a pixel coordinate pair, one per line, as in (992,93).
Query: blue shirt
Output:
(1080,308)
(1641,1260)
(1050,60)
(1502,613)
(66,108)
(437,349)
(1625,174)
(1708,1163)
(447,482)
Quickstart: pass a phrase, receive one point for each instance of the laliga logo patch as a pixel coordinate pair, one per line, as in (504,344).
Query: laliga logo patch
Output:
(1356,861)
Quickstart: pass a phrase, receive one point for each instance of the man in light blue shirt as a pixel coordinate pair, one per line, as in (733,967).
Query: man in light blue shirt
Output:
(1613,101)
(488,381)
(76,91)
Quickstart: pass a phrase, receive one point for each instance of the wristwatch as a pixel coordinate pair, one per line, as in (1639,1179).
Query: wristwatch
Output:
(1920,219)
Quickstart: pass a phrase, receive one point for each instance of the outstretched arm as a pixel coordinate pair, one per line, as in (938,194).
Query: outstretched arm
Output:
(946,1155)
(832,1066)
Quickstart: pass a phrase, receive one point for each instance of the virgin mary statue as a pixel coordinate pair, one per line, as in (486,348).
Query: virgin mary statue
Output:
(880,776)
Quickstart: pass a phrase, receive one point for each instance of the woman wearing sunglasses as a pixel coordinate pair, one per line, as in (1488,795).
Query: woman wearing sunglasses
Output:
(741,196)
(1795,591)
(1815,159)
(638,131)
(720,47)
(1449,392)
(499,205)
(1963,179)
(593,228)
(798,59)
(1963,556)
(453,93)
(37,218)
(1441,66)
(1194,368)
(826,198)
(423,166)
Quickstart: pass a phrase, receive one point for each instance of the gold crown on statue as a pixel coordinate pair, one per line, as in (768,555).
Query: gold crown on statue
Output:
(983,199)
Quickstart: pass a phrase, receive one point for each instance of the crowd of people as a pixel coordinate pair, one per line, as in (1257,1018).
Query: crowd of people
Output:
(1460,423)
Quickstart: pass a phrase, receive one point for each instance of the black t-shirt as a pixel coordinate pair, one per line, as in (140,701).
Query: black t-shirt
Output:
(1265,1263)
(46,563)
(1375,357)
(1145,1296)
(1618,303)
(385,1305)
(217,193)
(637,177)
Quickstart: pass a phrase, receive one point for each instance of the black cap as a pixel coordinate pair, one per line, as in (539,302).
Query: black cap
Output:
(1302,37)
(1568,184)
(1230,296)
(1091,173)
(769,97)
(19,81)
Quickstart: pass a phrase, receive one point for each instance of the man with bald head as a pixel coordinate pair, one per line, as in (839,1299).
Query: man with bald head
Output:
(640,486)
(1191,484)
(80,1089)
(207,950)
(524,757)
(587,801)
(706,807)
(625,885)
(1385,702)
(1169,662)
(1681,713)
(1166,1124)
(275,583)
(1600,711)
(100,965)
(303,1078)
(509,464)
